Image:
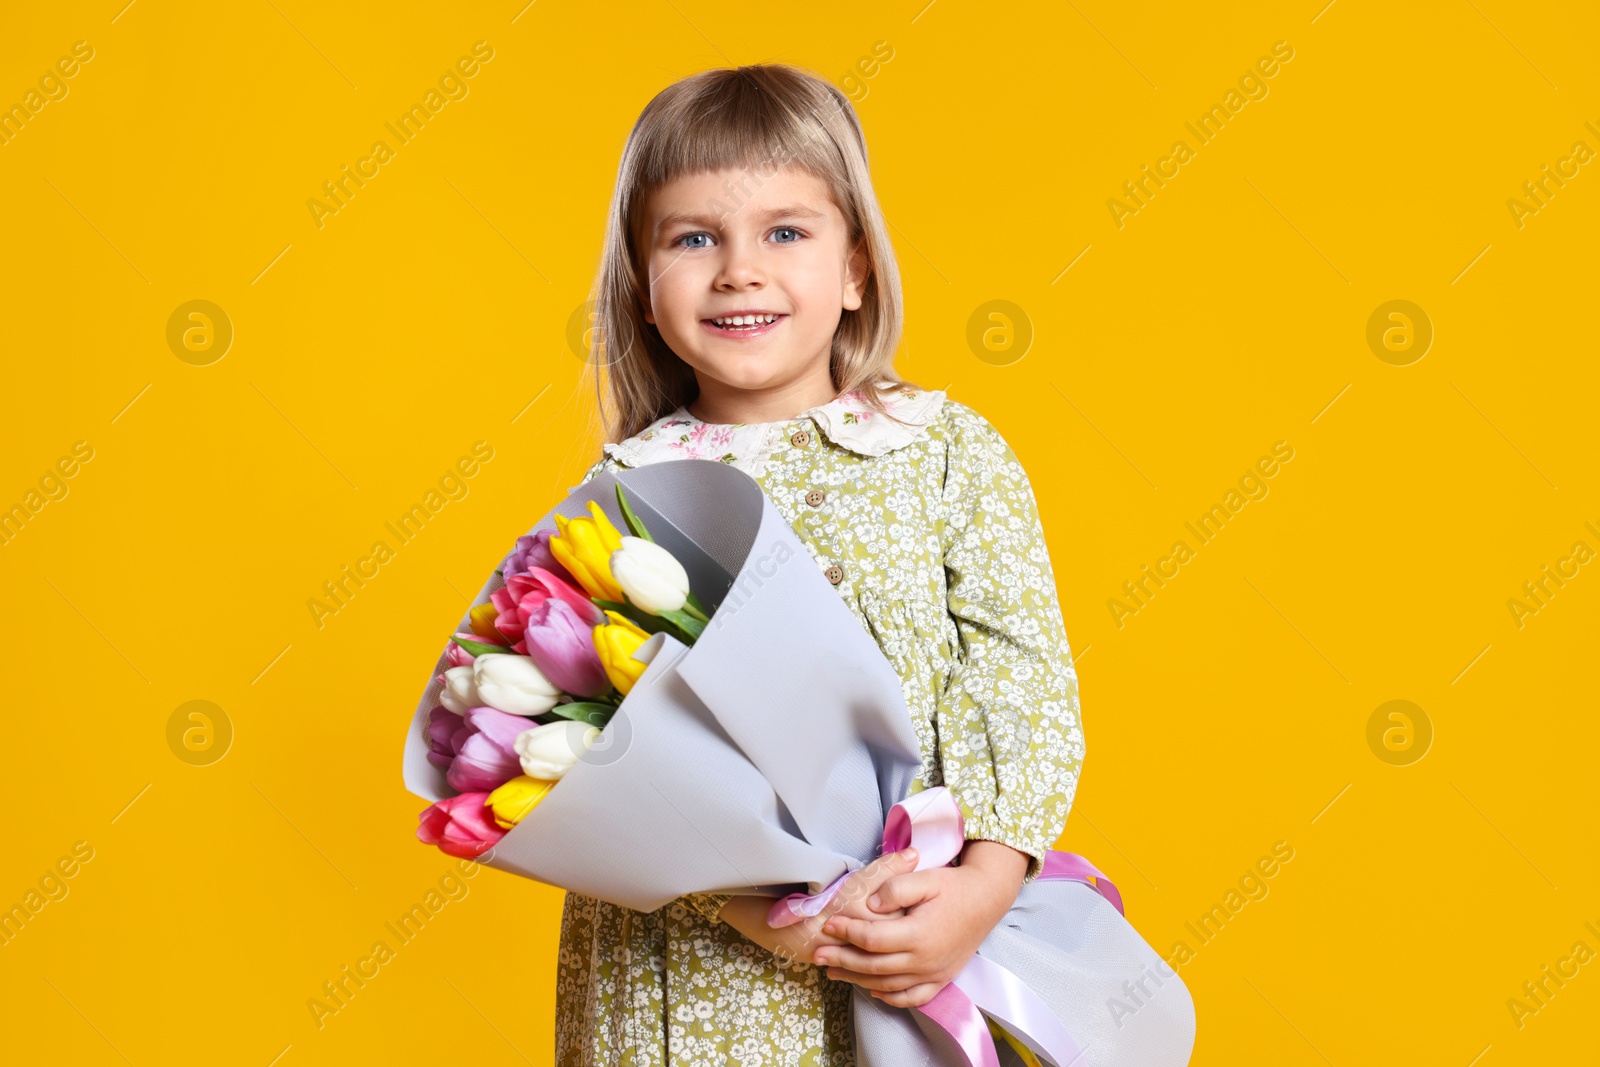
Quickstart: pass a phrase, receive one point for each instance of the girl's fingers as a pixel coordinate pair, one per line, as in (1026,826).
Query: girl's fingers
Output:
(849,958)
(870,878)
(914,997)
(880,935)
(884,983)
(806,949)
(904,891)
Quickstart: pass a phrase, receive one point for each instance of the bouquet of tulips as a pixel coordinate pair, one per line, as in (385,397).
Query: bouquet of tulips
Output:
(594,725)
(544,667)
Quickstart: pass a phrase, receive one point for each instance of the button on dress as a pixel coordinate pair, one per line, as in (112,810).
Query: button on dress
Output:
(928,529)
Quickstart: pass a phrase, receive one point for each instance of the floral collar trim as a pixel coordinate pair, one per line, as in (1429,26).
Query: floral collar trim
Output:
(846,421)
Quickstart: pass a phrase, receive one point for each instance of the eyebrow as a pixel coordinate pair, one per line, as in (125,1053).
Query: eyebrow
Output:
(696,218)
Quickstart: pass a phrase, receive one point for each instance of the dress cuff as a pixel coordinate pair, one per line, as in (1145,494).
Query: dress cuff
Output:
(991,830)
(707,904)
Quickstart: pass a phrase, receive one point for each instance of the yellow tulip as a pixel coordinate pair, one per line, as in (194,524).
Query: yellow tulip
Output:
(584,548)
(616,642)
(483,623)
(511,803)
(1021,1050)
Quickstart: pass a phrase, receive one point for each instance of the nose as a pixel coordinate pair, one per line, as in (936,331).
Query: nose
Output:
(740,267)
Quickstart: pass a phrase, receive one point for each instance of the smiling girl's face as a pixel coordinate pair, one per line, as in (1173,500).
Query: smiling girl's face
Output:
(782,255)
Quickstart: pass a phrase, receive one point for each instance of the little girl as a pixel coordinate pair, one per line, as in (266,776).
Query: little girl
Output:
(748,308)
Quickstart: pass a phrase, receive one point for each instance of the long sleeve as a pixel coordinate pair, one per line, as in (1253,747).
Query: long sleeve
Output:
(1010,738)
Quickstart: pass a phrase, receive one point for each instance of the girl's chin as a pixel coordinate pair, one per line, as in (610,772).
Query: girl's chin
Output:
(751,374)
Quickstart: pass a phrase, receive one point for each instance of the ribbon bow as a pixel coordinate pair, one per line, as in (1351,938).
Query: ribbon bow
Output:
(931,821)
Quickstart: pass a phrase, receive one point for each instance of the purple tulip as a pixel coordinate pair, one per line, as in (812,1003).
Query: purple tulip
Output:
(444,726)
(534,552)
(561,645)
(486,757)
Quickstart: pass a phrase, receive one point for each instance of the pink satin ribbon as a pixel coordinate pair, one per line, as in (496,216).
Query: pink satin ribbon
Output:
(931,821)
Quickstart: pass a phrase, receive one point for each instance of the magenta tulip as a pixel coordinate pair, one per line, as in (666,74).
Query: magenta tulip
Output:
(461,826)
(525,592)
(561,645)
(485,758)
(446,730)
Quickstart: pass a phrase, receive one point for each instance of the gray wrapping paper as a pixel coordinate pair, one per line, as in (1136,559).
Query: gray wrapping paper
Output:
(762,760)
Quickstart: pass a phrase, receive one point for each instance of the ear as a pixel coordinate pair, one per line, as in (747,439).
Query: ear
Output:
(857,270)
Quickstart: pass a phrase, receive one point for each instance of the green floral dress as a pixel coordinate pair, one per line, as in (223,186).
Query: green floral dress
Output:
(929,529)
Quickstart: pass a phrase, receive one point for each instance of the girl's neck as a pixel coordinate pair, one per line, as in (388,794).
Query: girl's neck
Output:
(722,404)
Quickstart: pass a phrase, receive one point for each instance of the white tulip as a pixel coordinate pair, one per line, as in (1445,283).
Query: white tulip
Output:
(512,683)
(549,751)
(650,575)
(459,693)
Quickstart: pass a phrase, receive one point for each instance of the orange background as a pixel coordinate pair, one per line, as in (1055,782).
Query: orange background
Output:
(1229,313)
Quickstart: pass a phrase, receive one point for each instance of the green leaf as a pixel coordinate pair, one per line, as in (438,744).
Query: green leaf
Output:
(586,711)
(481,648)
(691,626)
(680,624)
(647,622)
(629,517)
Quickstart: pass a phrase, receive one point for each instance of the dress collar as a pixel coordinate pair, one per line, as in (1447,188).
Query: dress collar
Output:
(846,420)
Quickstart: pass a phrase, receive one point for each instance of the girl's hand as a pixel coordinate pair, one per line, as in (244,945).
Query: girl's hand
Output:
(748,914)
(949,911)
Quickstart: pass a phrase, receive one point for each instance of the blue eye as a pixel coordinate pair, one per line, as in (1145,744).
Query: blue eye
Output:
(690,236)
(787,229)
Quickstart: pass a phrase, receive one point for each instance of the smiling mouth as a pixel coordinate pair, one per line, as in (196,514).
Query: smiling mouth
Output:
(743,325)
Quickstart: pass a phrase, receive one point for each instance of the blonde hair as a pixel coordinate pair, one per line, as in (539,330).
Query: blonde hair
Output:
(756,118)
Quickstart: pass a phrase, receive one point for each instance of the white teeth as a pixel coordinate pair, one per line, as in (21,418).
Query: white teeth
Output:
(744,320)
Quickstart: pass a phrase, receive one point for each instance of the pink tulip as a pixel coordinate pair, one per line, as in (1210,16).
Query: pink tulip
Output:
(461,826)
(457,656)
(561,645)
(445,730)
(533,552)
(485,757)
(525,592)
